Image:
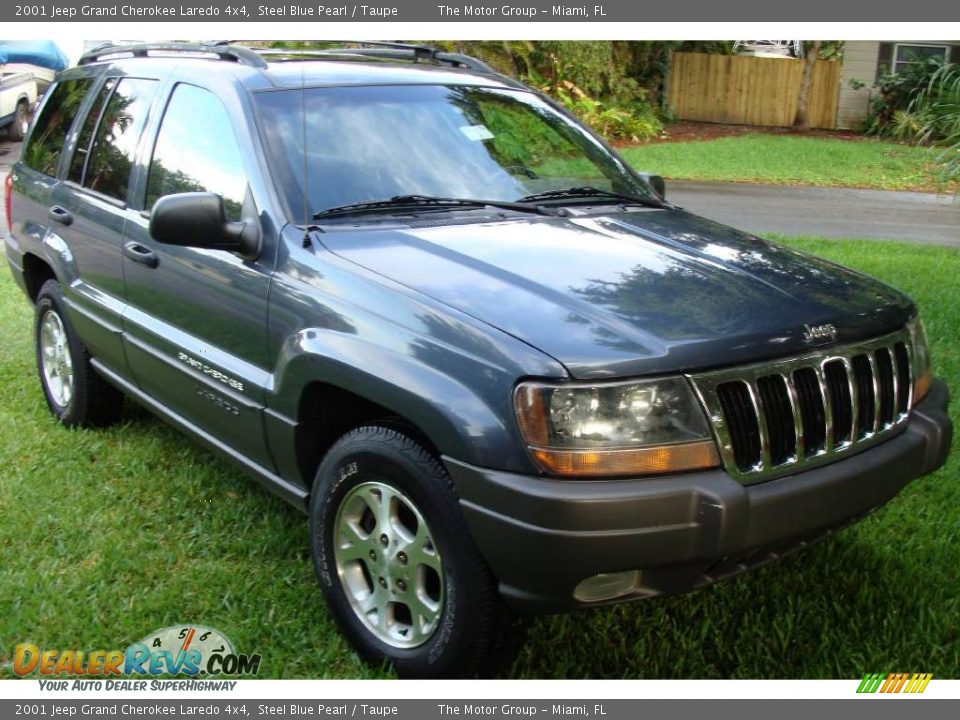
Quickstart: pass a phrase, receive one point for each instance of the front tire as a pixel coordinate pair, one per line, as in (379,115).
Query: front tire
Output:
(397,566)
(75,393)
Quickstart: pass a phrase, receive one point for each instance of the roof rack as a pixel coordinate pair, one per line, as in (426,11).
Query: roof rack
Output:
(219,51)
(257,57)
(387,50)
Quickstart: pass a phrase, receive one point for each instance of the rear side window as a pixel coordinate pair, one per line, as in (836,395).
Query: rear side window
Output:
(79,161)
(51,127)
(196,151)
(115,143)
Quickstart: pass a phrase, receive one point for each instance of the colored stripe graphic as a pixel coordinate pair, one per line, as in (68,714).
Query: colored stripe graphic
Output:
(870,683)
(894,682)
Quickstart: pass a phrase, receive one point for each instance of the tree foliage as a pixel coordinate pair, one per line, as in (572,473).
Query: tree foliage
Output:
(616,87)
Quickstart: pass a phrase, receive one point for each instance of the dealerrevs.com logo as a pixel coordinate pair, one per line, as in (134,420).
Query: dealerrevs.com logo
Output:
(191,650)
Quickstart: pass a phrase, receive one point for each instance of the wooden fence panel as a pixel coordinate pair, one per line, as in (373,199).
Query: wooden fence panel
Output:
(745,90)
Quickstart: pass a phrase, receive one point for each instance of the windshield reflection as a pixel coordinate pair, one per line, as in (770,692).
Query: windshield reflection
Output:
(357,144)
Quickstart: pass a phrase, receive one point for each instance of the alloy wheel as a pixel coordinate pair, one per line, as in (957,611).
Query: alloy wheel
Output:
(56,361)
(388,564)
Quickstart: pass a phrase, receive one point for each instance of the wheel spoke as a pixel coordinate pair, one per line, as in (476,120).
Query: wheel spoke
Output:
(374,499)
(375,602)
(422,551)
(423,618)
(350,531)
(352,545)
(66,393)
(348,552)
(427,610)
(387,496)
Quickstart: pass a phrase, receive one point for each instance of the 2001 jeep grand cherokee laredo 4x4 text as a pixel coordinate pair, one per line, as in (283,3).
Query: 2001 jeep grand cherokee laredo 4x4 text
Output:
(422,303)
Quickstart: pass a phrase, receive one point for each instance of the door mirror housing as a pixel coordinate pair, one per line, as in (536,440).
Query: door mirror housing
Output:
(656,182)
(198,219)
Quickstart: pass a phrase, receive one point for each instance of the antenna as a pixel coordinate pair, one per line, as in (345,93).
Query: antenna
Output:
(303,138)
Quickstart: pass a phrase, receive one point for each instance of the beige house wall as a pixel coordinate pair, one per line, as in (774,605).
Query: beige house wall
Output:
(860,61)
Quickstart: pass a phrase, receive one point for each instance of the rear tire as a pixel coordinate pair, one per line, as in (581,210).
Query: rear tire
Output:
(397,566)
(21,121)
(75,393)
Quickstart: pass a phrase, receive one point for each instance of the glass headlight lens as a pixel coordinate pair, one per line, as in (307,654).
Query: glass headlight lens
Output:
(922,368)
(640,427)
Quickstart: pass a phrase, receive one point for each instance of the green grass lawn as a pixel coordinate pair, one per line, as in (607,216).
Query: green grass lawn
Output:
(108,535)
(786,160)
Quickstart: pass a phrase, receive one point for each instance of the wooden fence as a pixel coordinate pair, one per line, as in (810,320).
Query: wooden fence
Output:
(746,90)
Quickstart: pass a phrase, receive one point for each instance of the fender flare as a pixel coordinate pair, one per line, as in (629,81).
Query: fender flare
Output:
(471,423)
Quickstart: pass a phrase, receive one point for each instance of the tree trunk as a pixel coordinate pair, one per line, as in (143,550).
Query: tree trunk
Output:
(802,120)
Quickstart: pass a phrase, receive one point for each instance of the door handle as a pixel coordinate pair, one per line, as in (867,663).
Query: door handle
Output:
(141,254)
(60,215)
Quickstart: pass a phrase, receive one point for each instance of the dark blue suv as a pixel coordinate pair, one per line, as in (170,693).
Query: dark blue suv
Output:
(419,301)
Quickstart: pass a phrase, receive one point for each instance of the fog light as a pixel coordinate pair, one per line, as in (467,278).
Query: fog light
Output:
(607,586)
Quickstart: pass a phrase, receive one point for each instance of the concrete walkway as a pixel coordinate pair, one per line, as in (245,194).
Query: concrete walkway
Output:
(831,212)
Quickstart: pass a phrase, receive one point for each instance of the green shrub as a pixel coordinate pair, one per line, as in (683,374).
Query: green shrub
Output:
(936,114)
(895,93)
(614,123)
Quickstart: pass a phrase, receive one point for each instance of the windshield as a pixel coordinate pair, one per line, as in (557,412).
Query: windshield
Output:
(374,143)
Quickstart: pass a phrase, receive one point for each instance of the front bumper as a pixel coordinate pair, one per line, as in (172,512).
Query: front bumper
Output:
(542,536)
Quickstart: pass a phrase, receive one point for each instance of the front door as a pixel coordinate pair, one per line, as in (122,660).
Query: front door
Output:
(195,325)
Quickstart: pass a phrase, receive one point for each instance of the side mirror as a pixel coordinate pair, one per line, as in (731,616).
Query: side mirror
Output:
(657,183)
(197,219)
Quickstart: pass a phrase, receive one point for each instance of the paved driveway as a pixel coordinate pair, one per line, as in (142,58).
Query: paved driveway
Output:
(832,212)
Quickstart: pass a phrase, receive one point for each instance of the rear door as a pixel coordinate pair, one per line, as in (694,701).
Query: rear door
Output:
(195,326)
(90,206)
(36,175)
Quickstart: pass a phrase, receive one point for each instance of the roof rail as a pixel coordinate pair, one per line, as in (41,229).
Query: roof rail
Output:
(388,50)
(256,57)
(219,51)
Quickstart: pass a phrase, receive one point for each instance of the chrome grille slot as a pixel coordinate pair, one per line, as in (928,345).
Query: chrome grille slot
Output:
(812,411)
(778,418)
(734,398)
(841,400)
(864,378)
(903,376)
(888,394)
(779,414)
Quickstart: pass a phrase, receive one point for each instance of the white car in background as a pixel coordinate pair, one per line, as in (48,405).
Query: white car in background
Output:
(18,97)
(27,67)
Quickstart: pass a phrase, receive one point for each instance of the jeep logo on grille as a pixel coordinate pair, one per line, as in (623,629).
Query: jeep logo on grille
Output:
(819,332)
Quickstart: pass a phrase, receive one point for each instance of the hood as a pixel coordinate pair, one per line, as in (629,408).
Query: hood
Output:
(631,293)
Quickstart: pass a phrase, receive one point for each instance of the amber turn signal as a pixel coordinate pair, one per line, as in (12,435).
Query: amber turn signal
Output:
(680,457)
(922,386)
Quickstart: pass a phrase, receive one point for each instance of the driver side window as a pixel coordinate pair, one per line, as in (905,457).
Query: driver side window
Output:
(197,151)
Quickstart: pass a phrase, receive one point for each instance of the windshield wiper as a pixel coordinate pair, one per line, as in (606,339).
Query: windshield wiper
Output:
(427,202)
(588,192)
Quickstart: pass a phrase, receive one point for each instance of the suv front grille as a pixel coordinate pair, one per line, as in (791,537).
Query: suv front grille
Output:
(781,417)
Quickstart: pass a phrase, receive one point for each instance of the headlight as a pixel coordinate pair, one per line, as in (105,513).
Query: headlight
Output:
(630,428)
(922,369)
